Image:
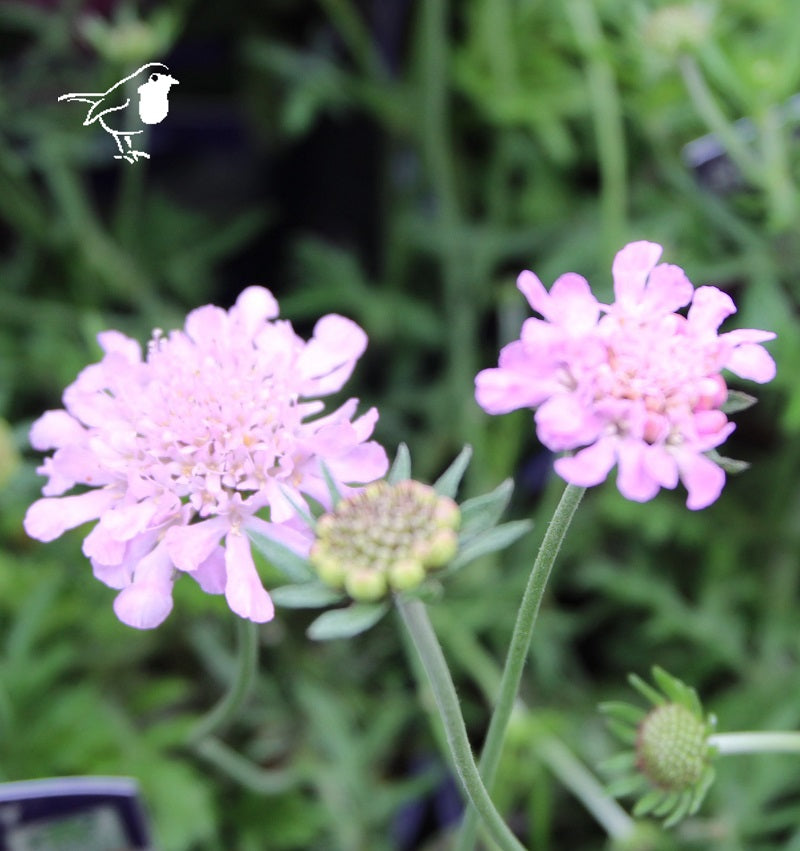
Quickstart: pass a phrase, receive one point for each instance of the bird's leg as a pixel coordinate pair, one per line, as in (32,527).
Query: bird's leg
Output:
(130,155)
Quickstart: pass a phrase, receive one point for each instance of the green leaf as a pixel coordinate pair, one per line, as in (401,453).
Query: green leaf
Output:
(447,484)
(646,690)
(401,467)
(291,565)
(626,712)
(309,595)
(345,623)
(737,401)
(483,512)
(729,465)
(494,539)
(333,489)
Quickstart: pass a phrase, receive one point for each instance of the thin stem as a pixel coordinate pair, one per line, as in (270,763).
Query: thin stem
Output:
(754,742)
(585,787)
(518,649)
(573,774)
(415,618)
(708,109)
(249,775)
(244,676)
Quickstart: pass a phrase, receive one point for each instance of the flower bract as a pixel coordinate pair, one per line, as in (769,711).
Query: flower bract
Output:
(217,430)
(636,383)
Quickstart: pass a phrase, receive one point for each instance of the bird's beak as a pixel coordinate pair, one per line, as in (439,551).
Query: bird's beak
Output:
(173,81)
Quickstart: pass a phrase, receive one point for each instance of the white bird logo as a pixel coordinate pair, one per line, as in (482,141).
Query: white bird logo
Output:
(116,115)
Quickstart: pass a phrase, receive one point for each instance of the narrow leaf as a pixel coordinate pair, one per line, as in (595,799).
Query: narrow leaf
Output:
(483,512)
(401,466)
(308,595)
(737,401)
(333,489)
(494,539)
(447,484)
(345,623)
(292,566)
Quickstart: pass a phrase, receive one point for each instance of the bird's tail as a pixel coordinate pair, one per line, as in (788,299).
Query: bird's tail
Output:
(85,97)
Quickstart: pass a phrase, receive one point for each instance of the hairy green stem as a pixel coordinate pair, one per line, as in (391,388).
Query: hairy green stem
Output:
(518,649)
(415,618)
(756,742)
(244,676)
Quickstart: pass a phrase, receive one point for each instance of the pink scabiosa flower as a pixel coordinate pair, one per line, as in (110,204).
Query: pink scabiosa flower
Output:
(215,432)
(634,383)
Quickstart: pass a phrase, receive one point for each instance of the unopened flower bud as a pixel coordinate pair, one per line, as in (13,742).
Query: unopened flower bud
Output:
(671,747)
(387,536)
(365,585)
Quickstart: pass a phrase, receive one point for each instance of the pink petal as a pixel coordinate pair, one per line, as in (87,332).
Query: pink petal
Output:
(253,307)
(534,291)
(634,479)
(668,289)
(210,575)
(709,308)
(113,342)
(205,324)
(54,429)
(189,546)
(702,478)
(328,359)
(243,591)
(753,362)
(572,304)
(562,422)
(590,466)
(499,391)
(362,464)
(630,271)
(144,605)
(49,518)
(661,466)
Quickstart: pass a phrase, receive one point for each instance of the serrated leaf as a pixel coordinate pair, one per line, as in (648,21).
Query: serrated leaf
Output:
(345,623)
(447,484)
(291,565)
(309,595)
(483,512)
(401,466)
(491,541)
(737,401)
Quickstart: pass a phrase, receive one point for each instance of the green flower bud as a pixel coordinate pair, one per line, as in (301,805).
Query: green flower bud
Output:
(672,747)
(387,536)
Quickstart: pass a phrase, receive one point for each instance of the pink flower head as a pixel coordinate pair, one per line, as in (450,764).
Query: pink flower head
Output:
(633,383)
(213,433)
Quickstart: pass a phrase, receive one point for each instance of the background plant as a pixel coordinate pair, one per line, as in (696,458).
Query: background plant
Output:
(400,163)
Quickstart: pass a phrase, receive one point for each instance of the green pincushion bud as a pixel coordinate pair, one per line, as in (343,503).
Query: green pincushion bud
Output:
(670,768)
(388,537)
(672,747)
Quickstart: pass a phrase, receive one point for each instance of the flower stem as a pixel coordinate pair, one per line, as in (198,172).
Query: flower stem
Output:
(518,649)
(774,742)
(244,676)
(415,618)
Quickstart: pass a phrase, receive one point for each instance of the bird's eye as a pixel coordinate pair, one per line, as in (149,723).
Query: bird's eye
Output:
(153,77)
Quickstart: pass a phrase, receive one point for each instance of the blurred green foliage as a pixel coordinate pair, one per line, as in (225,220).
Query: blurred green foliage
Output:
(509,134)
